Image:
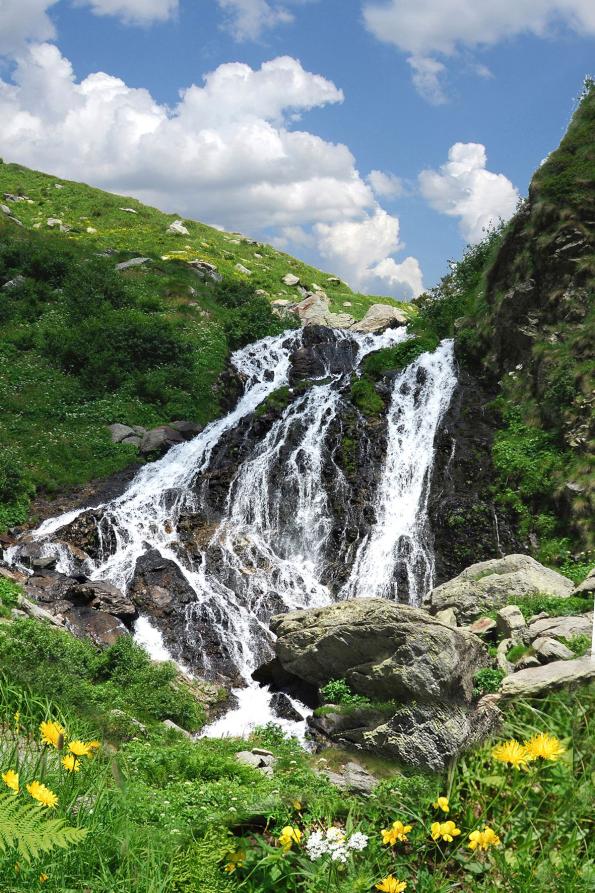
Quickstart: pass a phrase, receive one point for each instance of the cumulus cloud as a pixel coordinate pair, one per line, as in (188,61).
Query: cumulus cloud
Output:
(424,28)
(385,185)
(249,19)
(137,12)
(464,188)
(360,251)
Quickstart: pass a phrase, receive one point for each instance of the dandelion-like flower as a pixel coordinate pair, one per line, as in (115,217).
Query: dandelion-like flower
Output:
(93,745)
(397,833)
(11,780)
(391,884)
(446,831)
(70,763)
(42,794)
(289,835)
(483,840)
(236,860)
(52,733)
(544,747)
(79,749)
(43,877)
(441,803)
(511,752)
(17,720)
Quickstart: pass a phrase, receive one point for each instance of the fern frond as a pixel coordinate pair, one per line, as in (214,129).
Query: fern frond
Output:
(27,828)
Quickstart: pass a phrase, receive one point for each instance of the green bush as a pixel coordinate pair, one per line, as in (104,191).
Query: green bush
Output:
(487,681)
(392,359)
(9,596)
(553,606)
(337,691)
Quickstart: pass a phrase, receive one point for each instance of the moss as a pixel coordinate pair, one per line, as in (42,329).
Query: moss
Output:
(394,359)
(277,401)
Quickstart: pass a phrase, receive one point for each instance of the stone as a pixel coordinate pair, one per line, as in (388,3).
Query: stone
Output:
(484,626)
(539,680)
(54,221)
(158,440)
(86,623)
(103,597)
(32,610)
(129,210)
(6,210)
(562,627)
(133,262)
(187,429)
(510,621)
(548,649)
(132,440)
(503,648)
(14,283)
(313,310)
(588,584)
(340,320)
(283,708)
(384,650)
(205,270)
(290,279)
(495,583)
(177,228)
(353,778)
(243,270)
(526,662)
(249,759)
(380,317)
(174,727)
(119,432)
(448,616)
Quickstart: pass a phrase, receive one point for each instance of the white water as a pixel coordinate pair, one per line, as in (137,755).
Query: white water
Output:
(267,554)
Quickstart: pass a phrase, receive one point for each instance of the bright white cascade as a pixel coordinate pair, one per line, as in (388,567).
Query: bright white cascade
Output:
(263,559)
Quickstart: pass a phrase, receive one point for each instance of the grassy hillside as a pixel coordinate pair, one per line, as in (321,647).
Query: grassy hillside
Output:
(83,345)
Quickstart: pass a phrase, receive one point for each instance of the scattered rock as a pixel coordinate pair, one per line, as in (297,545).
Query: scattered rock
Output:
(133,262)
(129,210)
(485,627)
(174,727)
(283,708)
(53,222)
(588,584)
(177,228)
(243,270)
(562,627)
(510,621)
(290,279)
(548,649)
(158,440)
(14,283)
(380,317)
(58,186)
(494,583)
(333,280)
(91,230)
(353,778)
(447,616)
(538,680)
(257,759)
(120,432)
(6,210)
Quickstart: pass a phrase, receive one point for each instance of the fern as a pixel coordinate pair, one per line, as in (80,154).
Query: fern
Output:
(27,828)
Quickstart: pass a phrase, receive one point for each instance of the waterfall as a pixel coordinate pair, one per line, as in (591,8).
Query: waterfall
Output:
(268,550)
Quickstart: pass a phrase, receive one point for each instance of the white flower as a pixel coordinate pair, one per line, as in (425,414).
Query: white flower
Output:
(316,846)
(335,835)
(339,854)
(357,841)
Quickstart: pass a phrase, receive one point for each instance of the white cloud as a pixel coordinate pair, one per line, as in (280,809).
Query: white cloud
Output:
(360,251)
(249,19)
(463,188)
(385,185)
(137,12)
(426,78)
(424,28)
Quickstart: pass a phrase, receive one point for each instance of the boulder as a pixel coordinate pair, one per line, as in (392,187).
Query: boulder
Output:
(561,627)
(380,317)
(120,432)
(158,440)
(447,616)
(86,623)
(174,727)
(313,310)
(290,279)
(321,353)
(539,680)
(547,649)
(588,584)
(14,283)
(384,650)
(243,270)
(177,228)
(485,627)
(495,583)
(510,621)
(103,597)
(282,707)
(133,262)
(205,270)
(353,778)
(188,430)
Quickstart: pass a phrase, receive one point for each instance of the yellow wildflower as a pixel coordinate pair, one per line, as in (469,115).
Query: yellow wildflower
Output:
(483,839)
(17,720)
(391,884)
(236,860)
(43,877)
(52,733)
(297,805)
(396,833)
(544,747)
(289,836)
(445,830)
(441,803)
(42,794)
(11,780)
(79,749)
(70,763)
(511,752)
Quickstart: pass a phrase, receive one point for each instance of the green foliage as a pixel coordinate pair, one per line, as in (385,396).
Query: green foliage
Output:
(577,567)
(28,829)
(487,681)
(394,359)
(515,653)
(581,645)
(9,596)
(277,401)
(199,868)
(552,605)
(365,397)
(337,691)
(122,677)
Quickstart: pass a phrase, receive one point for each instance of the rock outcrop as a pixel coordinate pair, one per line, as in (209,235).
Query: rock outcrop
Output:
(540,680)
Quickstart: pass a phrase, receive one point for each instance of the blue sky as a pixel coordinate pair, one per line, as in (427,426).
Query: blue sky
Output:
(281,153)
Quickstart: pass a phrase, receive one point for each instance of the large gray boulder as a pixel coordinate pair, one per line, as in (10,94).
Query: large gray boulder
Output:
(561,627)
(495,583)
(539,680)
(384,650)
(380,317)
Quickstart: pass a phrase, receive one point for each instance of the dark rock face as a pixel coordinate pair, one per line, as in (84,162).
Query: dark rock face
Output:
(283,708)
(322,352)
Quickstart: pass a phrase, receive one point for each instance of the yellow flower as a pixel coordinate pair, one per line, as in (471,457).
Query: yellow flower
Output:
(544,747)
(236,860)
(79,749)
(52,733)
(511,752)
(43,878)
(441,803)
(17,719)
(445,830)
(11,780)
(42,794)
(289,836)
(483,839)
(391,884)
(396,833)
(70,763)
(297,805)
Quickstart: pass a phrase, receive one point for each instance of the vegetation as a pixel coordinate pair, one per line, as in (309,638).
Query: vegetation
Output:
(365,396)
(337,691)
(554,606)
(394,359)
(486,681)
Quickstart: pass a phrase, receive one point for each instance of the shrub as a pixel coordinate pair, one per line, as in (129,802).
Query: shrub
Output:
(487,681)
(337,691)
(392,359)
(552,605)
(9,596)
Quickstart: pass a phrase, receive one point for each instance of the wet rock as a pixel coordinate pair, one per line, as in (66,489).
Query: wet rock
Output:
(322,353)
(283,708)
(103,597)
(539,680)
(494,583)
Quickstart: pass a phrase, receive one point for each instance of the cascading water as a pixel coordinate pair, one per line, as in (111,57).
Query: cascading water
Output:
(267,552)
